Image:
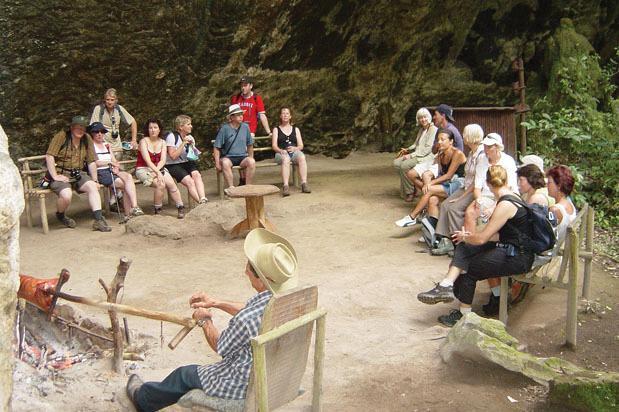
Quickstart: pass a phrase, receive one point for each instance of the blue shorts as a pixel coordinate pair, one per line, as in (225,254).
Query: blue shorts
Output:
(236,160)
(453,186)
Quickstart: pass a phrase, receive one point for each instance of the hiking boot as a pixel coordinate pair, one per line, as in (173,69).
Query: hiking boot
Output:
(241,181)
(406,221)
(285,191)
(444,247)
(157,210)
(101,225)
(449,320)
(203,201)
(67,221)
(134,383)
(437,294)
(492,307)
(181,212)
(305,188)
(136,211)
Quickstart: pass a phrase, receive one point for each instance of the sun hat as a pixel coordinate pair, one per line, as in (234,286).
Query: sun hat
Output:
(96,127)
(533,160)
(273,258)
(446,111)
(235,109)
(492,139)
(79,121)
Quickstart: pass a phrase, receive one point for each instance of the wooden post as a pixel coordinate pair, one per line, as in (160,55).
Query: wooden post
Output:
(260,373)
(572,289)
(503,300)
(586,282)
(319,356)
(112,294)
(43,213)
(220,185)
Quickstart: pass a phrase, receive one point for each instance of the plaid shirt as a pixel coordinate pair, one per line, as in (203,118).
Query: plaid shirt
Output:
(229,377)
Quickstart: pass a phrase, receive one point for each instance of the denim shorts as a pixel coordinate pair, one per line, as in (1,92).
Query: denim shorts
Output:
(453,186)
(294,156)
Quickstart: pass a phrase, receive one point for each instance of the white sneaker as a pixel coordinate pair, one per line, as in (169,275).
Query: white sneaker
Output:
(406,221)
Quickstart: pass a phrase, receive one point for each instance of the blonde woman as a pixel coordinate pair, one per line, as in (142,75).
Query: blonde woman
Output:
(479,256)
(420,151)
(182,169)
(150,167)
(287,144)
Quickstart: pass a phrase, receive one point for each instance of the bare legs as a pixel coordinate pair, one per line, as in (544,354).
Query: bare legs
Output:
(194,185)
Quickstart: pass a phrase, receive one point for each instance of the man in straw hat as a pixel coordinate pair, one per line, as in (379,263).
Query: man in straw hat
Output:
(234,146)
(271,269)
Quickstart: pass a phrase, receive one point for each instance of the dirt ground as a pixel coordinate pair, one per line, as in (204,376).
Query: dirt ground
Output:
(382,344)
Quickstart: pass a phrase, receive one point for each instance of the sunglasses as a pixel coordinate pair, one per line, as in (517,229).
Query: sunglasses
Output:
(98,132)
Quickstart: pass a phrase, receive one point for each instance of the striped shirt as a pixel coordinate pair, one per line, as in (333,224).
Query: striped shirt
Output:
(229,377)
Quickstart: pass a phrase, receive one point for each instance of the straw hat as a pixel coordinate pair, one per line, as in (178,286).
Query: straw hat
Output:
(273,258)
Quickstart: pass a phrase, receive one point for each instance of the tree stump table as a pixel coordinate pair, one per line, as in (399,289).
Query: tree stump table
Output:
(254,205)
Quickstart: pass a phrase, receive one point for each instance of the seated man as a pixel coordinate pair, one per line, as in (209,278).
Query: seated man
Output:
(66,156)
(234,146)
(271,268)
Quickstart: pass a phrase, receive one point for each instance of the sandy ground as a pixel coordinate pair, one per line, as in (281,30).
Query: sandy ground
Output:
(382,344)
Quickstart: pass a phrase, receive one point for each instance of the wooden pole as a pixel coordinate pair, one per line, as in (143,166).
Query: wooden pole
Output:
(586,282)
(260,368)
(112,294)
(319,356)
(572,290)
(503,299)
(130,310)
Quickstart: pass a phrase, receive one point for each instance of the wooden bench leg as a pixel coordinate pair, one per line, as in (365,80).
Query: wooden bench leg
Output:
(295,175)
(43,214)
(572,290)
(28,210)
(503,299)
(586,281)
(104,193)
(220,185)
(319,355)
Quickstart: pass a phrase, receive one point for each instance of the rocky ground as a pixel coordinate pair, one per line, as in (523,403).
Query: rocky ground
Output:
(382,344)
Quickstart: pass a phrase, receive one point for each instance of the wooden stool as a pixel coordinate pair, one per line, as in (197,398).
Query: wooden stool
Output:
(254,205)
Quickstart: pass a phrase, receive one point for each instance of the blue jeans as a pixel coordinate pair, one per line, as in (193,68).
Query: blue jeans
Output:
(153,396)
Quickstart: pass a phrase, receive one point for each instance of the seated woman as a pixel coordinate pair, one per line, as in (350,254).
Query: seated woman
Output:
(560,186)
(420,151)
(450,162)
(109,173)
(479,256)
(451,215)
(287,144)
(182,169)
(530,184)
(150,167)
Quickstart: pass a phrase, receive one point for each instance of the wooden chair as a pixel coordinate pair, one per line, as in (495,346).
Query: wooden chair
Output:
(566,255)
(261,144)
(32,169)
(280,354)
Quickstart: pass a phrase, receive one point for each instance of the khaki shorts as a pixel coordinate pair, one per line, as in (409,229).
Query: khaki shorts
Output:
(145,175)
(57,186)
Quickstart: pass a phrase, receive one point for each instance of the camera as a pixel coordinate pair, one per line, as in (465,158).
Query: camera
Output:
(114,135)
(76,174)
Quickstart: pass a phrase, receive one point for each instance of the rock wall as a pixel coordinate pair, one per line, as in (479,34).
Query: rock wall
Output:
(354,72)
(11,206)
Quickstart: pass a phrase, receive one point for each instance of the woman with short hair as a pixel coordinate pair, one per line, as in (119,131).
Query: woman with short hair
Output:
(479,256)
(560,186)
(150,167)
(420,151)
(182,169)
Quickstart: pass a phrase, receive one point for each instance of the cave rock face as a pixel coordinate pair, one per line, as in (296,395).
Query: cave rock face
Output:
(354,73)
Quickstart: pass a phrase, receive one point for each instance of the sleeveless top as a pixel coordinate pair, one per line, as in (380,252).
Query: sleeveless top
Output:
(284,140)
(566,220)
(103,154)
(516,226)
(443,169)
(154,157)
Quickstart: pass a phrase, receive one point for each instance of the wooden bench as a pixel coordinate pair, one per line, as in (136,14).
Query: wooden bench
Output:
(262,144)
(280,354)
(32,170)
(565,255)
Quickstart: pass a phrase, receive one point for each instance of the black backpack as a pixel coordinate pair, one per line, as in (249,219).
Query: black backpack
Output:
(543,237)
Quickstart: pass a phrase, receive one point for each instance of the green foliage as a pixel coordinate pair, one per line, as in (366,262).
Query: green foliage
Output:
(583,132)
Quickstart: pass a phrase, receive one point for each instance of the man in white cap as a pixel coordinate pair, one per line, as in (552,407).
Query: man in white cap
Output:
(271,269)
(234,146)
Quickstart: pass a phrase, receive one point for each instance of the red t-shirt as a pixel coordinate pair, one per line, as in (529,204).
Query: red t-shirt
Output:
(252,106)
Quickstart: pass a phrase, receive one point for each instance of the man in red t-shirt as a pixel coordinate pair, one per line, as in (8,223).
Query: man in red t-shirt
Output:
(254,110)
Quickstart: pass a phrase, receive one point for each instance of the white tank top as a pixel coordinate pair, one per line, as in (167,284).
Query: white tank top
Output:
(566,220)
(103,154)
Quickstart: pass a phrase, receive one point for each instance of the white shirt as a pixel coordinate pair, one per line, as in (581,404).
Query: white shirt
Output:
(508,164)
